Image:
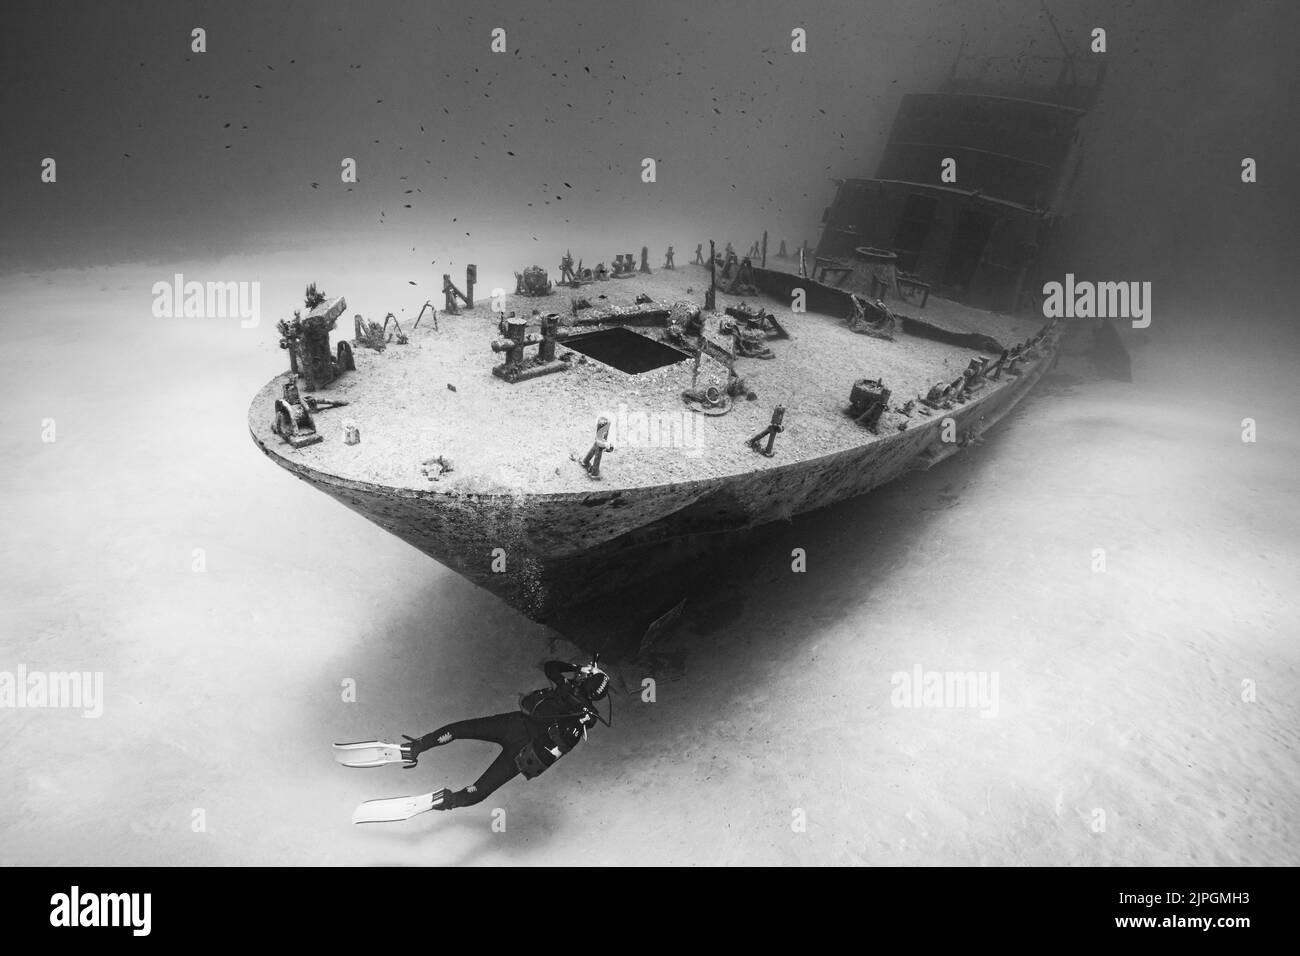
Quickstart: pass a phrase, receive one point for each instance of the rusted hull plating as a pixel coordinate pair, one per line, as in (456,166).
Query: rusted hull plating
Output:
(567,549)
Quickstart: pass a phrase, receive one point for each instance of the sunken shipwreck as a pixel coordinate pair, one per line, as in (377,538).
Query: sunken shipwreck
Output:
(557,443)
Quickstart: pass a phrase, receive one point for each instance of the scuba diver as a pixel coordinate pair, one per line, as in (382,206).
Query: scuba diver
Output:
(549,723)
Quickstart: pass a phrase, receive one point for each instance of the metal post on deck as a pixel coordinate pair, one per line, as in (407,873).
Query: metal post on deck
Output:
(710,300)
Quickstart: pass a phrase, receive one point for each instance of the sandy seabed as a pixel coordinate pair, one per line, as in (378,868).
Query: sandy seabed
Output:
(1120,692)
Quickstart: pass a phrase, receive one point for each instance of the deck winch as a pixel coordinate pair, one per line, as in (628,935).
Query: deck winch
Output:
(868,400)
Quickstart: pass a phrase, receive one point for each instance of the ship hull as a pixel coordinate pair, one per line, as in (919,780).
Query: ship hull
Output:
(545,553)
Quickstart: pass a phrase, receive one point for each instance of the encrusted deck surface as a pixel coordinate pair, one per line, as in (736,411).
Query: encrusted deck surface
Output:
(518,439)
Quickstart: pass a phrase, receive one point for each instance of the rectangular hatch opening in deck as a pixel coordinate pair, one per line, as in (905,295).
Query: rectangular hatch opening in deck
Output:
(625,350)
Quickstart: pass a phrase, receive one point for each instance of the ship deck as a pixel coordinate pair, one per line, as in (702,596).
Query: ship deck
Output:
(515,439)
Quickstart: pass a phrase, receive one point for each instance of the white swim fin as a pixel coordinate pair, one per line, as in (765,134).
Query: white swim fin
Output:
(369,753)
(396,809)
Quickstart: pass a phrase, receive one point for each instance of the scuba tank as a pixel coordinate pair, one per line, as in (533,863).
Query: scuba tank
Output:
(564,709)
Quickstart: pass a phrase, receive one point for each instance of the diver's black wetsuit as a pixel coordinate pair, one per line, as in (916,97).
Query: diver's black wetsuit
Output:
(549,723)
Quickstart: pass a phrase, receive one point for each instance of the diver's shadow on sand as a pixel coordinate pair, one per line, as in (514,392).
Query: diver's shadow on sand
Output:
(432,832)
